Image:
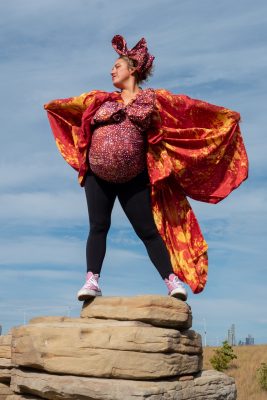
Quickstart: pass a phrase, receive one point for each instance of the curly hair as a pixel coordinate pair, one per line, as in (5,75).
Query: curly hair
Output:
(140,78)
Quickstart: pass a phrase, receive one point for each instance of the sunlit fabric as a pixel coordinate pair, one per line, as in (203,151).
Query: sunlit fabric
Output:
(194,149)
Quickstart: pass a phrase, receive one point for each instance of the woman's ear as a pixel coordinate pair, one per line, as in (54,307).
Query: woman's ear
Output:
(132,70)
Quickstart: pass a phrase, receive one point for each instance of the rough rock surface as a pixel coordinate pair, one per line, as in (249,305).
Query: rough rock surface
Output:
(5,362)
(5,350)
(122,335)
(163,311)
(120,349)
(4,391)
(21,397)
(209,385)
(5,375)
(111,349)
(5,365)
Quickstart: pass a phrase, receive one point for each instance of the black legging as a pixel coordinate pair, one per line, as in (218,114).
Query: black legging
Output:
(134,197)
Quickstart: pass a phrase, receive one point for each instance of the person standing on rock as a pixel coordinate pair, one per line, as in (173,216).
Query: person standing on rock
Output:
(150,148)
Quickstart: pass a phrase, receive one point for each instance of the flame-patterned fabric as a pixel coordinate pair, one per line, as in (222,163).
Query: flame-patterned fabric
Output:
(193,149)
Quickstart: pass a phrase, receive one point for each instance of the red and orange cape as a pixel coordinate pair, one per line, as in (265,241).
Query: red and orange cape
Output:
(195,149)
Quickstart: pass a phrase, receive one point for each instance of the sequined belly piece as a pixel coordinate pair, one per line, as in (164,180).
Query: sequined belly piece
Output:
(117,152)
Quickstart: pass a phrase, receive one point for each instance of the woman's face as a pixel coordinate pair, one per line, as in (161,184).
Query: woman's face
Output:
(121,73)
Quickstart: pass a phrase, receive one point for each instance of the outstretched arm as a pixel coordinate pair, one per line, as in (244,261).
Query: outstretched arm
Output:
(65,116)
(201,145)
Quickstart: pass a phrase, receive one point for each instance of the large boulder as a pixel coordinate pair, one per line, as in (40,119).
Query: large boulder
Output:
(208,385)
(163,311)
(121,348)
(104,348)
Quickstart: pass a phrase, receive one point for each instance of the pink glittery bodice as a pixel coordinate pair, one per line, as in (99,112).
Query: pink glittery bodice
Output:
(117,152)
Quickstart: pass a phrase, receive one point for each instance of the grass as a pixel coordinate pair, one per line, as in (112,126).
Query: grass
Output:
(243,370)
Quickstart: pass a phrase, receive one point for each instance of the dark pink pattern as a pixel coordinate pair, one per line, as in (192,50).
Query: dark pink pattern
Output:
(139,53)
(118,147)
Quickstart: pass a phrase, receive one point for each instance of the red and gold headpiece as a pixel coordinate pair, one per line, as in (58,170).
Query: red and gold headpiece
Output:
(139,53)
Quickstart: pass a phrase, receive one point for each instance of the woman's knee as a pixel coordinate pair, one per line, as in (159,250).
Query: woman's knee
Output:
(146,233)
(99,227)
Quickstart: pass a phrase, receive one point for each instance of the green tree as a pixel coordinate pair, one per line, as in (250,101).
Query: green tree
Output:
(262,376)
(222,357)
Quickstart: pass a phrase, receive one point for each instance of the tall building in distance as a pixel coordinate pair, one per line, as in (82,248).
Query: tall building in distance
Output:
(249,340)
(231,335)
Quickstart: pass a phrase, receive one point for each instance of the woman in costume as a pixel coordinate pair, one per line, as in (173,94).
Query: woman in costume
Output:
(151,148)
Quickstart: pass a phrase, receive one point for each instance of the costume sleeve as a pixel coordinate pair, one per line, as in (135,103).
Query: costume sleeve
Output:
(65,116)
(194,149)
(200,144)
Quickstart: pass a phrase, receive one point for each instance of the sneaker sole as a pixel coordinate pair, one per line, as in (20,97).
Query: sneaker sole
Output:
(86,296)
(179,295)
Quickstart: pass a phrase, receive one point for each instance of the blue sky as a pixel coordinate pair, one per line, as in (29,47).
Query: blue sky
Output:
(214,51)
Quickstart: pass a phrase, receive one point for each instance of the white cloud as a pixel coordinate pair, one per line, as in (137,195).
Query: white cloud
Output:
(40,207)
(41,250)
(64,251)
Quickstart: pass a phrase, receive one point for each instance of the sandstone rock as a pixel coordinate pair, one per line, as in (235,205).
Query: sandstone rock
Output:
(4,391)
(216,385)
(185,378)
(21,397)
(163,311)
(210,385)
(5,362)
(37,320)
(123,349)
(5,375)
(110,334)
(5,344)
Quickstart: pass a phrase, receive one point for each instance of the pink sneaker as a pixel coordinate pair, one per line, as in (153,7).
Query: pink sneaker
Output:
(175,287)
(90,288)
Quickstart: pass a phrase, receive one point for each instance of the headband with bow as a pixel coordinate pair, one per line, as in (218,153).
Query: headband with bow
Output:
(139,53)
